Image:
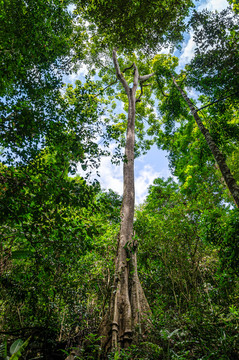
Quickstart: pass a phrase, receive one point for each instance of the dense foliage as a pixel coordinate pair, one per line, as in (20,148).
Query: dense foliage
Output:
(59,232)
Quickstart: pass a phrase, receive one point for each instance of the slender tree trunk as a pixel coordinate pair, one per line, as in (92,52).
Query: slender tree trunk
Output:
(128,303)
(220,159)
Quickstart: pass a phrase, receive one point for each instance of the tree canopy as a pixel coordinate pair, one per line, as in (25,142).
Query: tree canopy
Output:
(84,272)
(131,25)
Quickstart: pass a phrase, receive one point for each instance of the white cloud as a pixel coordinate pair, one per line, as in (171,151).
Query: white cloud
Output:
(79,75)
(213,5)
(189,47)
(188,52)
(145,178)
(111,177)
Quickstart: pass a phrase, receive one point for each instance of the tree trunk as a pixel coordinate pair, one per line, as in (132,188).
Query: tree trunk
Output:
(128,304)
(220,159)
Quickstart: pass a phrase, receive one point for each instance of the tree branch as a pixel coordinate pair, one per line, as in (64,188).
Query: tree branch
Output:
(145,77)
(164,93)
(114,82)
(119,74)
(141,93)
(218,156)
(216,101)
(128,68)
(136,78)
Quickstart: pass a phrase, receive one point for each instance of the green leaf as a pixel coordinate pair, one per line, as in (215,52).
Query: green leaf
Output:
(16,346)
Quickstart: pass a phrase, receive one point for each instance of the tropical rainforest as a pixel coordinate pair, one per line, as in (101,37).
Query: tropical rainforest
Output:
(84,272)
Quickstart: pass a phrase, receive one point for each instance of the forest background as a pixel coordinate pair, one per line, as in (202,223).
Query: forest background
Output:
(61,232)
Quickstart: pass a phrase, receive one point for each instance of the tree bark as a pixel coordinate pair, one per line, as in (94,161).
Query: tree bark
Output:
(128,303)
(220,159)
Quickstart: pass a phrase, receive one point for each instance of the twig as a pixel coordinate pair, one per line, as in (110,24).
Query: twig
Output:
(106,88)
(216,101)
(164,93)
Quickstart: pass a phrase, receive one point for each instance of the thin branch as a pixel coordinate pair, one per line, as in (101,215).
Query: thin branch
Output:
(106,67)
(216,101)
(146,77)
(141,93)
(136,78)
(114,82)
(119,74)
(164,93)
(128,68)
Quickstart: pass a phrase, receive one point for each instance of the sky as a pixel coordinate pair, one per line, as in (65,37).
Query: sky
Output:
(155,163)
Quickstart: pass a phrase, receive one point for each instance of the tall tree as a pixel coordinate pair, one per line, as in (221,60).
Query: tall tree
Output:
(128,302)
(165,69)
(129,27)
(125,25)
(220,159)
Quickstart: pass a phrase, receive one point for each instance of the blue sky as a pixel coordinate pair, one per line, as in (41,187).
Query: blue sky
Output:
(154,164)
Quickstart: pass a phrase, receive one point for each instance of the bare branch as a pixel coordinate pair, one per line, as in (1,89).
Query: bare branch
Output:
(119,74)
(216,101)
(136,78)
(145,77)
(128,68)
(218,156)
